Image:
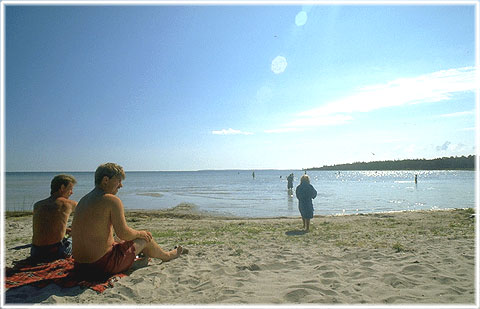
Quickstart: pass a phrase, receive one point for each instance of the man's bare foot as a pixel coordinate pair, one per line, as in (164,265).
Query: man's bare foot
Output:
(181,250)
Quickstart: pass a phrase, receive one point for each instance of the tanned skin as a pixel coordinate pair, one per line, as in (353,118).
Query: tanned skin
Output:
(50,217)
(98,215)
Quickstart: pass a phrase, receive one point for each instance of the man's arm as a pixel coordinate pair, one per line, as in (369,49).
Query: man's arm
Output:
(119,223)
(69,206)
(72,204)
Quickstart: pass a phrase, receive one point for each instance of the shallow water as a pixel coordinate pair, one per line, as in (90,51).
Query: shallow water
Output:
(238,193)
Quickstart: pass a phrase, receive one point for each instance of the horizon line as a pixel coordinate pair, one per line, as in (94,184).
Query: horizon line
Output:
(244,169)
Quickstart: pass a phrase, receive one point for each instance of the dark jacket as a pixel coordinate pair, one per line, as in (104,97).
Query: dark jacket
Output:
(305,193)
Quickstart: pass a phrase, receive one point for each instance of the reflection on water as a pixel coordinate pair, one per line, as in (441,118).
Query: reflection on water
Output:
(237,193)
(290,200)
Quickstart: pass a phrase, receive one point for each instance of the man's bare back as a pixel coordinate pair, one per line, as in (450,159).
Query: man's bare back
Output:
(92,228)
(50,217)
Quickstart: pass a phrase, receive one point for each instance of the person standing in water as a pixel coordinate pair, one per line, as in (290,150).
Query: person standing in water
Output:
(305,193)
(290,185)
(290,181)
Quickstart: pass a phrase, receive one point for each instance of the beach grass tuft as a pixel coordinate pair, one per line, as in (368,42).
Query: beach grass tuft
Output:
(398,247)
(19,213)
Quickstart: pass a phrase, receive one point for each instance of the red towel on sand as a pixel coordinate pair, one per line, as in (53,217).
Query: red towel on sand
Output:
(60,272)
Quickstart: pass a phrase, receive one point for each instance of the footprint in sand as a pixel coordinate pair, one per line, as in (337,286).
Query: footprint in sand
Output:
(398,282)
(329,274)
(413,269)
(296,296)
(445,280)
(252,267)
(367,264)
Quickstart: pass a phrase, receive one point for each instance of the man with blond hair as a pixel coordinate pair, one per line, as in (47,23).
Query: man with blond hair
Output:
(98,215)
(50,217)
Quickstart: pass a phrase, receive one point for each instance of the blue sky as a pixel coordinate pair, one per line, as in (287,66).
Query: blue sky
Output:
(171,87)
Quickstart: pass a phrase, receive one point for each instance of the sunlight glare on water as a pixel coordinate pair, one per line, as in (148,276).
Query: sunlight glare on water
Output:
(238,193)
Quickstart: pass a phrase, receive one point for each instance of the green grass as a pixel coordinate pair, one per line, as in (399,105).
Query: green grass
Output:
(15,214)
(367,231)
(398,247)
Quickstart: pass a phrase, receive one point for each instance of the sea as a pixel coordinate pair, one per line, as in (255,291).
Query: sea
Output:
(238,193)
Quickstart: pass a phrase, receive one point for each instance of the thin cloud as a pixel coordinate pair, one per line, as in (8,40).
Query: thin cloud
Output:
(458,114)
(427,88)
(283,130)
(443,147)
(448,146)
(230,131)
(466,129)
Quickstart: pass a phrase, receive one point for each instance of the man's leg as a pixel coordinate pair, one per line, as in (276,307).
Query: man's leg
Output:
(152,249)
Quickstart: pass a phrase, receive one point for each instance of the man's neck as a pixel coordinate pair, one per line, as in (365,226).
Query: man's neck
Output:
(99,189)
(55,195)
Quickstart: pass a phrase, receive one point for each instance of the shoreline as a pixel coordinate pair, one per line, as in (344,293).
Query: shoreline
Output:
(191,209)
(188,211)
(415,257)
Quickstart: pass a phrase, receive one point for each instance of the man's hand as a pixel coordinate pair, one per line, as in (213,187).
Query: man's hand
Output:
(68,231)
(145,235)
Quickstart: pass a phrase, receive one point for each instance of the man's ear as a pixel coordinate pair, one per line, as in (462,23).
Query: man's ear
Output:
(62,188)
(105,179)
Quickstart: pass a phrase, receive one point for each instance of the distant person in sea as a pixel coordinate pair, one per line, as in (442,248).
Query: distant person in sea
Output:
(416,178)
(50,217)
(253,174)
(290,181)
(305,193)
(97,216)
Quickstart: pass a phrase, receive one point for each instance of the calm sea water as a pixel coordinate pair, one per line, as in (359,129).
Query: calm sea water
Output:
(237,193)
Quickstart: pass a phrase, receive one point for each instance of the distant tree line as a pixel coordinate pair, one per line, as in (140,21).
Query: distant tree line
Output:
(445,163)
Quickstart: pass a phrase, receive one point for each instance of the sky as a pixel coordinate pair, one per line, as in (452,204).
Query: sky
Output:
(182,87)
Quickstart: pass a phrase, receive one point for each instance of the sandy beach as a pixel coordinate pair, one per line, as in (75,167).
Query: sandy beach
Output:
(422,257)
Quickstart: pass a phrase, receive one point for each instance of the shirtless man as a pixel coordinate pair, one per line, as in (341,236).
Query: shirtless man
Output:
(50,218)
(97,216)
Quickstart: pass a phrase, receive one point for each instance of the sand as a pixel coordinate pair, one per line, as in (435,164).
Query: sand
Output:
(422,257)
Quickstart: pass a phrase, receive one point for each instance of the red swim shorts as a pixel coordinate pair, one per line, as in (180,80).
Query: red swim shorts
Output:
(117,260)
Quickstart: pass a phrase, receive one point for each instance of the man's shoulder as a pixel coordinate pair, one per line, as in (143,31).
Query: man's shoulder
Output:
(47,203)
(109,200)
(66,202)
(110,197)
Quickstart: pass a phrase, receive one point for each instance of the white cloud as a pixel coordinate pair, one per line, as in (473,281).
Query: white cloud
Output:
(284,130)
(466,129)
(458,114)
(410,149)
(451,148)
(443,147)
(433,87)
(320,120)
(427,88)
(230,131)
